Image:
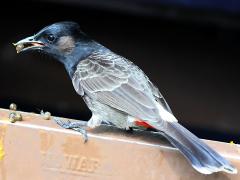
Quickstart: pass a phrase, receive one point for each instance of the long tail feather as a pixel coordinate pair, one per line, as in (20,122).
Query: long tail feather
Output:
(203,158)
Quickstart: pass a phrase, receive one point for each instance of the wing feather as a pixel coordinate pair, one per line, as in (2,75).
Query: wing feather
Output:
(118,83)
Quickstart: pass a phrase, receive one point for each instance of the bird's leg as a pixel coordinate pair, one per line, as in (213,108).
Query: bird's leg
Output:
(67,124)
(79,126)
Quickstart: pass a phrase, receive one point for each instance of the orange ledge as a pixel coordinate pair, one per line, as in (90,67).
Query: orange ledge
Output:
(37,149)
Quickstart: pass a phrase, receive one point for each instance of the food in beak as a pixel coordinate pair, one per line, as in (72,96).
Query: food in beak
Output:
(19,47)
(22,46)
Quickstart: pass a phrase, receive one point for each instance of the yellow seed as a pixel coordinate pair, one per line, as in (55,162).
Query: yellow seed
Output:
(12,120)
(18,117)
(13,107)
(14,116)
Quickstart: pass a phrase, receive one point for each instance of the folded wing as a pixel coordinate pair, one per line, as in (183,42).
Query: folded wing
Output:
(116,82)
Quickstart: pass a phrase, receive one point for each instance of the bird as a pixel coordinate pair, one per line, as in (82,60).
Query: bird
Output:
(118,92)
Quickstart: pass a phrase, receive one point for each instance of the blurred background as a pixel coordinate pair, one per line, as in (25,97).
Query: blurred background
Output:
(189,49)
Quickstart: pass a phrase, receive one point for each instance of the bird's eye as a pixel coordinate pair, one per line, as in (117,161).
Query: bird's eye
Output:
(50,37)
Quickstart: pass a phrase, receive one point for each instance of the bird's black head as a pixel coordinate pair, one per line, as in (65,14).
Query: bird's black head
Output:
(63,40)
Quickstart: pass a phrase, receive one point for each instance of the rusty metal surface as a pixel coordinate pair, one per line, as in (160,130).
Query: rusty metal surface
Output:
(36,149)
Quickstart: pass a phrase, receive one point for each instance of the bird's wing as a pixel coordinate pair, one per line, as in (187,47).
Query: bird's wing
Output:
(159,97)
(118,83)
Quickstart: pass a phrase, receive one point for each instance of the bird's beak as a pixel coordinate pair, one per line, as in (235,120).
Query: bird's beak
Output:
(27,44)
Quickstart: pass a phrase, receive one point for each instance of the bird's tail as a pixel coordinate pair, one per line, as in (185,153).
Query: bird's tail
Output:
(203,158)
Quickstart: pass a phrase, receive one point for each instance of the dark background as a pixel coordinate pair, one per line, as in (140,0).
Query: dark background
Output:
(190,52)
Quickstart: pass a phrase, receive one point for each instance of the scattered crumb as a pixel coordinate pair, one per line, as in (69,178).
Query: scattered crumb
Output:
(13,107)
(45,115)
(15,116)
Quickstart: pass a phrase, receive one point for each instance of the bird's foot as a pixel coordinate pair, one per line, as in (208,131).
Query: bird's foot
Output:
(78,126)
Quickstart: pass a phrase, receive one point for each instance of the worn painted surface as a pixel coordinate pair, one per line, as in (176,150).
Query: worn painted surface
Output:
(3,129)
(40,150)
(2,133)
(1,149)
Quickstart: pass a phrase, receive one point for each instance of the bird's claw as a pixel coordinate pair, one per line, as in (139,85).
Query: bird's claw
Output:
(83,132)
(76,126)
